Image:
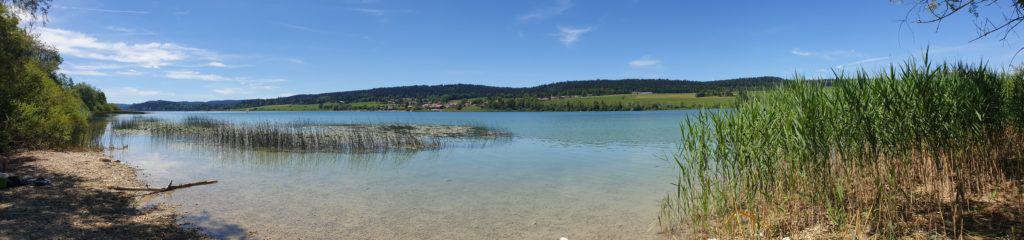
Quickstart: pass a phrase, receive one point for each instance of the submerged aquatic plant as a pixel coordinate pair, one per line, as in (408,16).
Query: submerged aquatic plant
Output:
(306,136)
(891,154)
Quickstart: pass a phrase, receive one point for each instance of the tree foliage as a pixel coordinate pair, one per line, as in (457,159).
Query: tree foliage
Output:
(999,17)
(39,108)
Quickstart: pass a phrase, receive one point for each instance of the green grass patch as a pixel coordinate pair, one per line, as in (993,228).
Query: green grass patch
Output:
(671,100)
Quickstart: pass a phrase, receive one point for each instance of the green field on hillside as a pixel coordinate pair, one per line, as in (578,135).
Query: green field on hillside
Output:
(663,100)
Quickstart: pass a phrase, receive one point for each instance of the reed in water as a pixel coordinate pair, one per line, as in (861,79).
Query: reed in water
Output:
(918,150)
(306,136)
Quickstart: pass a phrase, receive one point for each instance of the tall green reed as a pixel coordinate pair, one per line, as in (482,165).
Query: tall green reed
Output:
(306,136)
(858,153)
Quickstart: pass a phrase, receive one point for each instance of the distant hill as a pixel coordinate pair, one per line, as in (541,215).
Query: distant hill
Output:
(161,105)
(467,91)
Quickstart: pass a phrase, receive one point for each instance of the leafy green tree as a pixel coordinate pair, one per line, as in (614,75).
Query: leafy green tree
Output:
(38,107)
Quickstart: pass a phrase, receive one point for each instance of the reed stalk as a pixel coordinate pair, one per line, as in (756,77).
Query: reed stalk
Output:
(893,154)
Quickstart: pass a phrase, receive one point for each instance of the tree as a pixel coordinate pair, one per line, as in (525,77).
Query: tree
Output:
(1000,17)
(36,9)
(38,107)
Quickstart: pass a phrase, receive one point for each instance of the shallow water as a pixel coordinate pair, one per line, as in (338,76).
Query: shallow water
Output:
(587,175)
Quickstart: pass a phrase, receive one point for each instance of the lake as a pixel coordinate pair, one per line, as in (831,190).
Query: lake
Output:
(580,175)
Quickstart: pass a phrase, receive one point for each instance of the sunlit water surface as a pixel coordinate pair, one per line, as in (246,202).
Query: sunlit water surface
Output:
(587,175)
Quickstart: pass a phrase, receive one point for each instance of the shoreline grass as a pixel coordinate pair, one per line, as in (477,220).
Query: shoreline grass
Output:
(918,150)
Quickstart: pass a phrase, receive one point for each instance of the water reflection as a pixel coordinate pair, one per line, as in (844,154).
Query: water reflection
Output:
(600,129)
(581,175)
(118,142)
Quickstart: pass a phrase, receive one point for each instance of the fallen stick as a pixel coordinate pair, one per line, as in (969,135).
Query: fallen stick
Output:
(169,187)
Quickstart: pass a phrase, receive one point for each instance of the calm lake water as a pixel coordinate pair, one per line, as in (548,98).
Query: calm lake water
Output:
(585,175)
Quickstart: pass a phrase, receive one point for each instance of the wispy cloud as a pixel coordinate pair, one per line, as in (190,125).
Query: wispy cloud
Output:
(217,64)
(298,27)
(139,92)
(568,35)
(150,55)
(120,29)
(227,91)
(862,62)
(129,72)
(369,11)
(293,60)
(26,17)
(262,84)
(798,52)
(644,62)
(193,75)
(75,72)
(128,31)
(380,14)
(555,9)
(98,70)
(827,55)
(103,10)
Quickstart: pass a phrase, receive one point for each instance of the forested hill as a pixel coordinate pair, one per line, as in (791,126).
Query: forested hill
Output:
(467,91)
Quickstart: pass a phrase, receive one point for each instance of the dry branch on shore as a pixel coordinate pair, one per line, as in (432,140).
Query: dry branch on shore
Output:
(170,187)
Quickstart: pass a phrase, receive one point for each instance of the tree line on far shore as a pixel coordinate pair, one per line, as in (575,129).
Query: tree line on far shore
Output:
(449,92)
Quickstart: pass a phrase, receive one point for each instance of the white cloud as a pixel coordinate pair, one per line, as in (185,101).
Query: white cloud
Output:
(798,52)
(298,27)
(227,91)
(293,60)
(139,92)
(96,67)
(150,55)
(644,62)
(559,7)
(216,64)
(827,55)
(263,84)
(380,14)
(104,10)
(568,36)
(128,31)
(864,61)
(129,72)
(193,75)
(26,17)
(92,70)
(369,11)
(83,73)
(120,29)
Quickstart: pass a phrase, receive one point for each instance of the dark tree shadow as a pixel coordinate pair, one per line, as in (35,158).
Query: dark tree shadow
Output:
(215,228)
(67,210)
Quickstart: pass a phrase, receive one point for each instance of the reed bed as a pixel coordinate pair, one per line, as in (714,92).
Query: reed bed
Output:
(916,150)
(306,136)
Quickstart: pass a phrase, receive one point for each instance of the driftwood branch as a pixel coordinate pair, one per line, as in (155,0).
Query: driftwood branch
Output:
(170,187)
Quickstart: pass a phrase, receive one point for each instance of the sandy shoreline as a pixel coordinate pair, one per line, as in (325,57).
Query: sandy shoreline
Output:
(78,205)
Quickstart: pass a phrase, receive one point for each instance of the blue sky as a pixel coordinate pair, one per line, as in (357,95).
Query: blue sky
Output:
(138,50)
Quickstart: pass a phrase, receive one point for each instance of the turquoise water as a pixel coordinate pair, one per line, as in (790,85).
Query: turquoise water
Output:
(585,175)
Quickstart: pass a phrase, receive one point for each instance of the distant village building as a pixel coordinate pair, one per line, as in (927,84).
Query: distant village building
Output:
(433,106)
(642,93)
